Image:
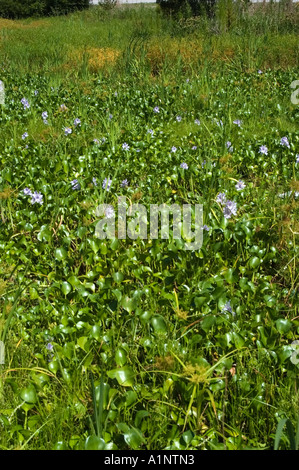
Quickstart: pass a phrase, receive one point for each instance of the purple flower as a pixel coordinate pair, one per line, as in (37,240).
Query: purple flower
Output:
(125,146)
(173,149)
(36,92)
(263,150)
(36,198)
(238,122)
(229,146)
(150,131)
(110,117)
(230,209)
(63,107)
(205,227)
(77,122)
(187,80)
(194,147)
(227,308)
(259,71)
(219,123)
(67,131)
(221,198)
(106,184)
(25,103)
(297,158)
(94,180)
(115,94)
(156,109)
(184,166)
(197,122)
(109,212)
(179,118)
(203,163)
(124,183)
(240,185)
(25,135)
(96,141)
(75,184)
(27,192)
(44,116)
(49,347)
(284,142)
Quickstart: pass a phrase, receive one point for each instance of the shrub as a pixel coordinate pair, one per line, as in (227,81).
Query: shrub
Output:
(196,7)
(14,9)
(20,9)
(61,7)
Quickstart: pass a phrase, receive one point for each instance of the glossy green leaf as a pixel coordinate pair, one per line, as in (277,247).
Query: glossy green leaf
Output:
(94,443)
(66,288)
(125,376)
(60,254)
(29,394)
(283,325)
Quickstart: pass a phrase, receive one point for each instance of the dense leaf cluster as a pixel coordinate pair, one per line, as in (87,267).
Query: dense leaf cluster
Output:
(14,9)
(188,7)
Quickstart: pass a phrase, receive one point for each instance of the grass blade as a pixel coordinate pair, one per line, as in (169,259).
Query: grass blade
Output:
(279,432)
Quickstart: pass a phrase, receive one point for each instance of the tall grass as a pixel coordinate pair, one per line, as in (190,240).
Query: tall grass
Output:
(260,37)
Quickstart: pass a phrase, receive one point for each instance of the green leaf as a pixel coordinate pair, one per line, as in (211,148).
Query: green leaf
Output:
(82,342)
(74,281)
(254,262)
(238,340)
(96,331)
(60,445)
(134,438)
(124,376)
(29,395)
(120,357)
(44,234)
(60,254)
(140,415)
(118,294)
(283,325)
(130,397)
(66,288)
(128,304)
(158,324)
(229,275)
(279,432)
(103,389)
(208,322)
(94,443)
(118,277)
(188,436)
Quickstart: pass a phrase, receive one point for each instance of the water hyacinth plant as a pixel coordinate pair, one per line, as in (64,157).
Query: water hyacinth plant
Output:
(25,103)
(131,341)
(106,184)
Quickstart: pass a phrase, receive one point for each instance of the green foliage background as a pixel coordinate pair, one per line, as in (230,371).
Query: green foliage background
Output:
(188,7)
(25,8)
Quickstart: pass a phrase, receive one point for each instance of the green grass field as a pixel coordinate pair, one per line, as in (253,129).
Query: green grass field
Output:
(142,344)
